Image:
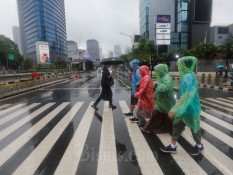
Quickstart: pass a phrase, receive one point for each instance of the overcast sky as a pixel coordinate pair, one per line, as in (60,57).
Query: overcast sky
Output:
(103,20)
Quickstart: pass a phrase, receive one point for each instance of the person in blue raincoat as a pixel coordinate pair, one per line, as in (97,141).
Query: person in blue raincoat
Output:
(186,111)
(134,65)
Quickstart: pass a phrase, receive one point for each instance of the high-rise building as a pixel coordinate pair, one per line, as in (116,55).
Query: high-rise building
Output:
(193,18)
(93,49)
(117,50)
(219,34)
(17,38)
(43,20)
(72,48)
(148,11)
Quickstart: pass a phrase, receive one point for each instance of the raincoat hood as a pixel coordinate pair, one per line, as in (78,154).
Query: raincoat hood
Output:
(160,71)
(144,70)
(186,65)
(134,64)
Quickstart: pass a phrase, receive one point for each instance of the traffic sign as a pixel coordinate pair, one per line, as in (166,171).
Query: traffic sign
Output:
(11,57)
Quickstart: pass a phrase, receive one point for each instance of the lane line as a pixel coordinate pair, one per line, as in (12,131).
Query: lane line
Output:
(183,159)
(216,133)
(219,112)
(17,113)
(216,157)
(145,157)
(225,100)
(217,121)
(22,121)
(13,147)
(4,106)
(220,102)
(11,108)
(216,105)
(72,155)
(107,159)
(32,162)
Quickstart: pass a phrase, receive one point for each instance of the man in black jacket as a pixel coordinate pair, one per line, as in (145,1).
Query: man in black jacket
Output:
(106,93)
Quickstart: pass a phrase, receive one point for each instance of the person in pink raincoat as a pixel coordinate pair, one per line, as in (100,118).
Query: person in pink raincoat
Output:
(145,95)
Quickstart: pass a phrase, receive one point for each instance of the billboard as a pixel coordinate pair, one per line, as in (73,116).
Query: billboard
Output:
(163,18)
(44,54)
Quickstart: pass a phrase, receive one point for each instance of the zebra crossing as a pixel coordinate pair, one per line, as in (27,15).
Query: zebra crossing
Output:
(51,138)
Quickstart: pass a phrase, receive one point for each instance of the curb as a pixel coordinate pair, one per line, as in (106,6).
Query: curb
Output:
(207,86)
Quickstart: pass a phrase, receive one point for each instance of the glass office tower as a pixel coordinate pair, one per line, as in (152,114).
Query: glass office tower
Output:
(144,17)
(43,20)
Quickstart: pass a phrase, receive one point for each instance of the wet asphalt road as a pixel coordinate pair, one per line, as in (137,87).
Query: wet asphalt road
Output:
(86,89)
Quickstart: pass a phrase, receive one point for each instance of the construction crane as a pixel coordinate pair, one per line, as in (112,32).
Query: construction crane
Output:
(131,37)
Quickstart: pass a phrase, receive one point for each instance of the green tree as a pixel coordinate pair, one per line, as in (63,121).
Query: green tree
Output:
(227,51)
(59,62)
(28,63)
(7,46)
(204,51)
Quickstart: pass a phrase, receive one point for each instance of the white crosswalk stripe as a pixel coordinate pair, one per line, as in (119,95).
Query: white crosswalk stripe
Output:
(107,162)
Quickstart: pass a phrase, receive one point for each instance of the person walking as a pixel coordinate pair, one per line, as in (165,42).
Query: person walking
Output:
(106,92)
(164,101)
(145,96)
(135,79)
(186,111)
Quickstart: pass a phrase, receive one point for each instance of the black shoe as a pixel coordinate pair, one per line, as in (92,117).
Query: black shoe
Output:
(112,106)
(196,150)
(128,114)
(168,149)
(134,120)
(94,106)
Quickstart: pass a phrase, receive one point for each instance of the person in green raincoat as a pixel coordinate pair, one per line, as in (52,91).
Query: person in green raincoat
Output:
(186,111)
(164,101)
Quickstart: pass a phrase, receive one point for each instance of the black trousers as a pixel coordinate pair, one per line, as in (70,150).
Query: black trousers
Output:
(106,94)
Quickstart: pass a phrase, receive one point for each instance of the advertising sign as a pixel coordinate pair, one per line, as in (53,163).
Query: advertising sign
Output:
(163,42)
(163,36)
(44,53)
(168,31)
(163,18)
(163,25)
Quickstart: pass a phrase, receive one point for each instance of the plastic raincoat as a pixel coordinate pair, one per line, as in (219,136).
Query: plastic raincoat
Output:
(135,74)
(163,96)
(187,109)
(146,92)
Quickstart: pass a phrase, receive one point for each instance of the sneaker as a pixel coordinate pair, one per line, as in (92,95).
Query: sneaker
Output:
(128,114)
(168,149)
(134,120)
(94,106)
(112,106)
(196,150)
(148,132)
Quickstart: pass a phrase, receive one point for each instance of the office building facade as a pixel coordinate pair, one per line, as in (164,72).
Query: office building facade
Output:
(42,20)
(17,38)
(144,9)
(219,34)
(93,49)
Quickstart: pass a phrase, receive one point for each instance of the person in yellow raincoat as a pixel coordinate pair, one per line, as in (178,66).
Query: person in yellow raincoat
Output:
(186,111)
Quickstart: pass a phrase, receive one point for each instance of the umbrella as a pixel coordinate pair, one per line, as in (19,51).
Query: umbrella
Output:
(112,61)
(220,66)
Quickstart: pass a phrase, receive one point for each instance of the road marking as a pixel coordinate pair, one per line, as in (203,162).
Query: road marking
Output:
(216,105)
(13,147)
(124,83)
(228,101)
(217,121)
(72,155)
(145,157)
(4,106)
(182,158)
(22,121)
(17,113)
(220,102)
(216,157)
(32,162)
(220,135)
(219,112)
(11,108)
(107,160)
